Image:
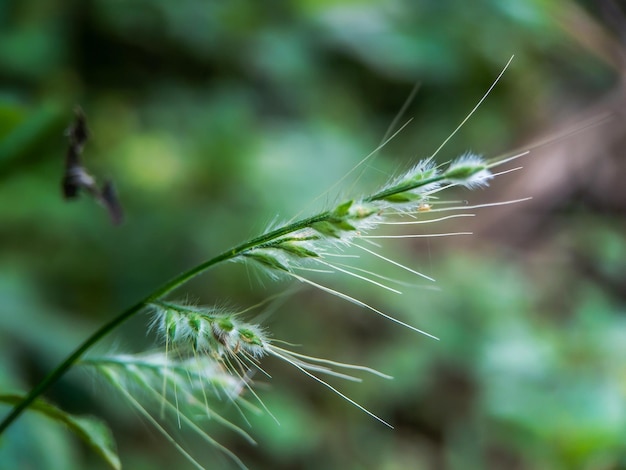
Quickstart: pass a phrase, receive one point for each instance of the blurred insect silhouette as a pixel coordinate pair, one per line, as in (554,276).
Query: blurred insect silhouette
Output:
(76,177)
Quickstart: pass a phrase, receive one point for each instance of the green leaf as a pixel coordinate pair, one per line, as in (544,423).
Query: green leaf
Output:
(327,228)
(344,225)
(93,431)
(403,197)
(267,260)
(296,250)
(343,209)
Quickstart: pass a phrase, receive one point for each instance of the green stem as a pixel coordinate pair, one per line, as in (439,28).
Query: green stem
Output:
(173,284)
(385,193)
(166,288)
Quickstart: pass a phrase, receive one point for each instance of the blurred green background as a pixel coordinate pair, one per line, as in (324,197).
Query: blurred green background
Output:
(217,118)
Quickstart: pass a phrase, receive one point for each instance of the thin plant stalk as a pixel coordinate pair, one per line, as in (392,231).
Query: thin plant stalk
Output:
(465,171)
(166,288)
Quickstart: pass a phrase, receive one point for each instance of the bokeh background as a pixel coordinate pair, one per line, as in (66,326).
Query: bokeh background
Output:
(217,118)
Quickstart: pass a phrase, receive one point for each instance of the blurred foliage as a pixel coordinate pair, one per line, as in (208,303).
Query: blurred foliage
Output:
(215,119)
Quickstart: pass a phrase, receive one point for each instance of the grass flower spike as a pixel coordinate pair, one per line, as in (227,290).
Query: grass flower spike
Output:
(181,388)
(209,355)
(203,330)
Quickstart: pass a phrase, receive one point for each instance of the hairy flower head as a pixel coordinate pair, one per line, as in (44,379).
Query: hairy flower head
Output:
(211,330)
(468,170)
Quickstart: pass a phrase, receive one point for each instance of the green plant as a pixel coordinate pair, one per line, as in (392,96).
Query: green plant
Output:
(209,352)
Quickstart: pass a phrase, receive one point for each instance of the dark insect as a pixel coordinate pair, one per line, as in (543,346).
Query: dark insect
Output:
(76,177)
